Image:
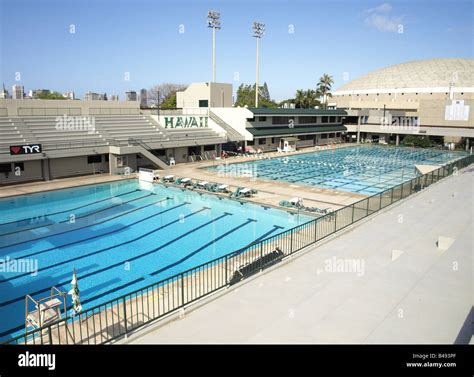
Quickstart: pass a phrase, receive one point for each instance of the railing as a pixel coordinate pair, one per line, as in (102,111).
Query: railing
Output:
(116,318)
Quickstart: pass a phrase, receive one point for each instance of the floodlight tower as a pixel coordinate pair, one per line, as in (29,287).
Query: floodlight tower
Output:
(213,21)
(258,31)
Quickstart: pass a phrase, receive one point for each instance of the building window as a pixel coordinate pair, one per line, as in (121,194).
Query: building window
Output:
(121,161)
(209,147)
(262,141)
(332,119)
(250,142)
(5,168)
(324,136)
(106,157)
(324,119)
(252,119)
(306,120)
(203,103)
(273,140)
(262,119)
(97,158)
(282,120)
(20,165)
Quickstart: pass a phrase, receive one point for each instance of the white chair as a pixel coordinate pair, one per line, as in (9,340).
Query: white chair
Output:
(172,161)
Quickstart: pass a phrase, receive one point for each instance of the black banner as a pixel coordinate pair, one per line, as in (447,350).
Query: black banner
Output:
(231,360)
(25,149)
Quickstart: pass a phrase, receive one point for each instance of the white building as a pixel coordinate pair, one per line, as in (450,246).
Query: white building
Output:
(18,92)
(205,94)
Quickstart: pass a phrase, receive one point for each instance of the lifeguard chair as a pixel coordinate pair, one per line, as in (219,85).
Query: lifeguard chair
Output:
(41,312)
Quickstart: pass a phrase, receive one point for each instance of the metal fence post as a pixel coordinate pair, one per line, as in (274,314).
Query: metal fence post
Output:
(367,206)
(335,221)
(291,241)
(401,192)
(391,198)
(353,212)
(182,290)
(315,230)
(125,314)
(226,272)
(50,336)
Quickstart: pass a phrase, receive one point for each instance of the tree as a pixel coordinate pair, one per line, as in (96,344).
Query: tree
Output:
(166,91)
(324,88)
(246,96)
(307,99)
(49,95)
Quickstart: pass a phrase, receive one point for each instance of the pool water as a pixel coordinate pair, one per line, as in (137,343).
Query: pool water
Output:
(119,237)
(364,169)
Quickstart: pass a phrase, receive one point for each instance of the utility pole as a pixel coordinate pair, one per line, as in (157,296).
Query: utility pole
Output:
(213,22)
(258,31)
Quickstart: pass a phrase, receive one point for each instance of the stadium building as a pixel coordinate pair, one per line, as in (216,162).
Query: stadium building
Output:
(426,97)
(48,139)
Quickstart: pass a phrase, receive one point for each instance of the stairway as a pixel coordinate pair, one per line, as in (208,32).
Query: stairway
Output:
(145,151)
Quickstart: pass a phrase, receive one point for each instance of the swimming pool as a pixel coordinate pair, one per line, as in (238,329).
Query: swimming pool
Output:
(119,237)
(363,169)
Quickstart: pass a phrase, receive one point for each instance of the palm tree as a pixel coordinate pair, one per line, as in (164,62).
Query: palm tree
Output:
(300,98)
(324,87)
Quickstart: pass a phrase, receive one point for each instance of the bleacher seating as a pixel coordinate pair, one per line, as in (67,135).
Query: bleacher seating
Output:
(10,135)
(46,131)
(123,127)
(108,130)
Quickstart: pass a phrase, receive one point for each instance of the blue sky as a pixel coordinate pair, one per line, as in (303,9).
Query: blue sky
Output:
(343,38)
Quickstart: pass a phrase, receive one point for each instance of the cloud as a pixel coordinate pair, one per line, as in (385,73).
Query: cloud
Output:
(381,18)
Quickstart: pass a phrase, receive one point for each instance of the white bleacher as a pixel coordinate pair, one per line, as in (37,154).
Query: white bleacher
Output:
(10,135)
(45,130)
(124,127)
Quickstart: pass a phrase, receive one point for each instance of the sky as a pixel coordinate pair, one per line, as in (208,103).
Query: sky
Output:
(112,46)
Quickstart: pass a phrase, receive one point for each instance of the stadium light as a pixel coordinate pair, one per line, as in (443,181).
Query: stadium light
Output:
(258,31)
(213,21)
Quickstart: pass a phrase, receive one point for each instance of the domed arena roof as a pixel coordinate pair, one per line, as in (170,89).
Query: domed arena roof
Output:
(419,74)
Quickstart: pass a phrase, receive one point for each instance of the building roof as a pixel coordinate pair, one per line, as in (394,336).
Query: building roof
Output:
(282,131)
(427,74)
(291,112)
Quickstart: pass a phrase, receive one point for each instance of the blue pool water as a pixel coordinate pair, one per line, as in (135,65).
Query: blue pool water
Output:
(119,237)
(364,169)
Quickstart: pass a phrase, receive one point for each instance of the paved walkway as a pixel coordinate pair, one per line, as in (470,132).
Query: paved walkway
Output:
(422,296)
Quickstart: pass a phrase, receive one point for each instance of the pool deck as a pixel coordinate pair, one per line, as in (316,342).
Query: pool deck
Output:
(408,290)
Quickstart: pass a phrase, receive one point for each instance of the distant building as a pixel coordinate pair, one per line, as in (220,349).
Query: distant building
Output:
(4,93)
(69,95)
(143,98)
(131,96)
(114,97)
(90,96)
(18,92)
(35,93)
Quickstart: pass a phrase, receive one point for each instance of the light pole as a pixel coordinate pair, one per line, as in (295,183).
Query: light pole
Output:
(213,22)
(258,31)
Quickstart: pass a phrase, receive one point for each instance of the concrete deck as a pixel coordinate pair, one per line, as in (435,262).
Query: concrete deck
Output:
(405,289)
